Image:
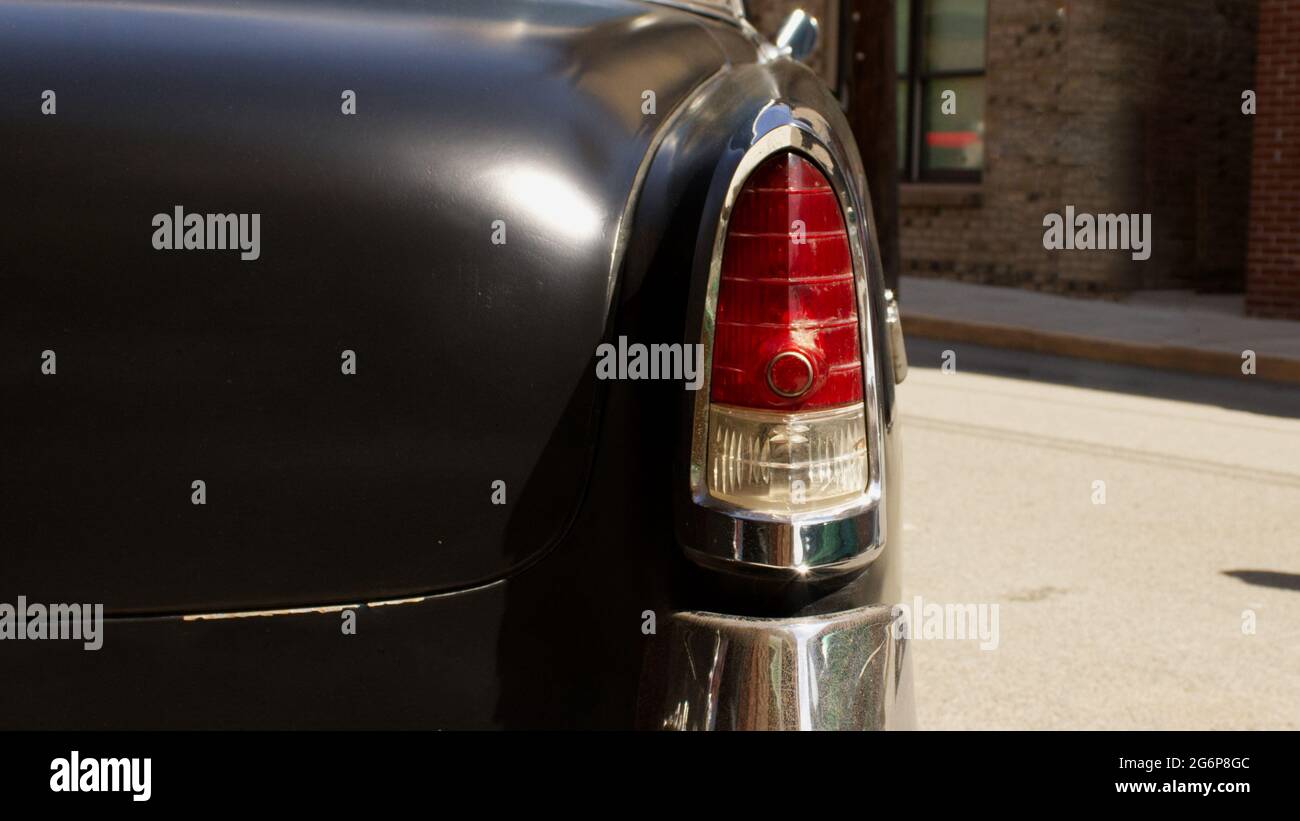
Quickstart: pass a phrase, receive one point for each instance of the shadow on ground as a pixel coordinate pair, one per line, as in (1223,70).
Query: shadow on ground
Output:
(1267,578)
(1244,394)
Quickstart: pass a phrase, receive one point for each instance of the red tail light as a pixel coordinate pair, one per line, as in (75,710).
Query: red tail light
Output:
(786,335)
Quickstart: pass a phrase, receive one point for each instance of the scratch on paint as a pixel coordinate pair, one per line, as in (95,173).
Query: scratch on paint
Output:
(332,608)
(250,614)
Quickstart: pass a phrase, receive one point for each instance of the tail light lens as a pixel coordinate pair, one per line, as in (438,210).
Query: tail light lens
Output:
(787,432)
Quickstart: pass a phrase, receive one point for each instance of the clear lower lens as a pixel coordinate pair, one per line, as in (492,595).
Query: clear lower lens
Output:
(787,463)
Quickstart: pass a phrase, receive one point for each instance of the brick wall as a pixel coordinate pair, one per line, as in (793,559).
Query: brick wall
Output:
(1273,263)
(1112,106)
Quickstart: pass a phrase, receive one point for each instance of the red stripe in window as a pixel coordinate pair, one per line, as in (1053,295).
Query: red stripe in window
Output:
(951,139)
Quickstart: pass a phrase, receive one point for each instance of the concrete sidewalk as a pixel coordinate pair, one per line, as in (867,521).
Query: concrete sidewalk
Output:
(1200,336)
(1170,603)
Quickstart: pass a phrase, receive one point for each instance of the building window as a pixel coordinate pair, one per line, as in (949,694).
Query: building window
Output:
(941,48)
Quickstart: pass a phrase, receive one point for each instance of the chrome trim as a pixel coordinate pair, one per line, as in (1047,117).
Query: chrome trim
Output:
(730,10)
(798,35)
(830,541)
(808,369)
(844,671)
(897,350)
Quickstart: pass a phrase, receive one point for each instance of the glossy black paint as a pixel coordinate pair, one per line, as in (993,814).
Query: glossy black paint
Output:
(559,643)
(474,359)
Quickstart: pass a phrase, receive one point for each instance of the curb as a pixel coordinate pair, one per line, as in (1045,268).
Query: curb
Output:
(1165,357)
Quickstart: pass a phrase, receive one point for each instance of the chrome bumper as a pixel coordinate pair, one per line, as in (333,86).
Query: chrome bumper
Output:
(841,671)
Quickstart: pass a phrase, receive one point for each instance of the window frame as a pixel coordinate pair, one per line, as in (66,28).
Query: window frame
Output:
(916,81)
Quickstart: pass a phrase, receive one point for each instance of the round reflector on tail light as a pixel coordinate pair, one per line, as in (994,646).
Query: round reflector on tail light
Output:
(791,374)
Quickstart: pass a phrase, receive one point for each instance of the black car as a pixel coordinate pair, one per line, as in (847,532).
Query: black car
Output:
(454,364)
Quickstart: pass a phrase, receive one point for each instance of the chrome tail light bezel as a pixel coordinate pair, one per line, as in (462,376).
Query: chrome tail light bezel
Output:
(832,540)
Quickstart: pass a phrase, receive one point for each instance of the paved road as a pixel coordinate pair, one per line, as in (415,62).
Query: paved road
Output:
(1132,614)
